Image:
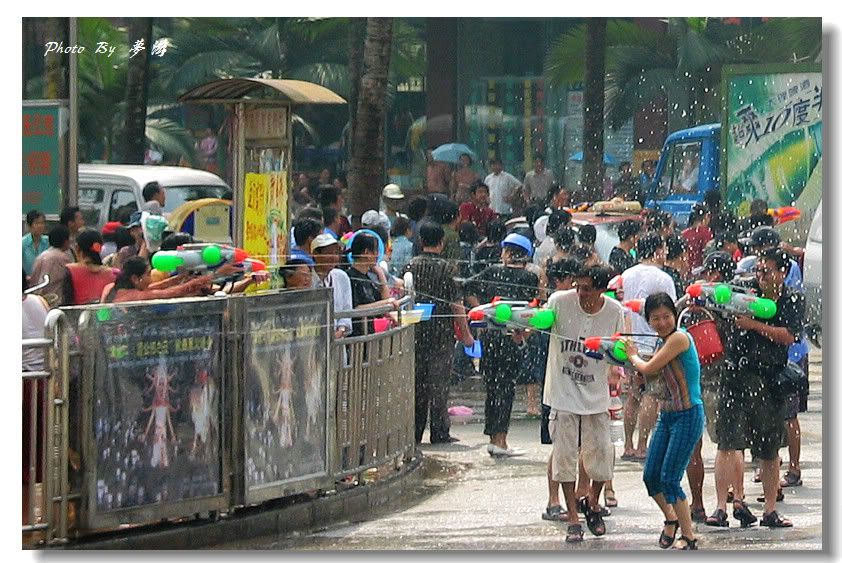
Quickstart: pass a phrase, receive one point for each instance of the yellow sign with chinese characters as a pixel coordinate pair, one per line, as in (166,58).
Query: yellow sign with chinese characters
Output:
(265,222)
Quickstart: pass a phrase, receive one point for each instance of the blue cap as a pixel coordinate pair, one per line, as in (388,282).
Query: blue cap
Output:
(521,241)
(298,254)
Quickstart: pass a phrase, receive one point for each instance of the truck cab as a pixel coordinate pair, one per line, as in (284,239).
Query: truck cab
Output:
(688,167)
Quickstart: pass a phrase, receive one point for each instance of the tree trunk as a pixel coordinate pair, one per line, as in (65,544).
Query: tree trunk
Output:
(133,139)
(365,179)
(55,83)
(594,103)
(356,45)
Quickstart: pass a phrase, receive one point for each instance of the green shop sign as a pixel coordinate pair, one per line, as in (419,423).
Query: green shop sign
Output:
(43,145)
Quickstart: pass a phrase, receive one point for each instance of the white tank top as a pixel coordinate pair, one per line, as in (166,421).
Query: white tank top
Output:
(34,314)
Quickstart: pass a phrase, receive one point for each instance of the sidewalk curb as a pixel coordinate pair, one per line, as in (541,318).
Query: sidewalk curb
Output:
(261,521)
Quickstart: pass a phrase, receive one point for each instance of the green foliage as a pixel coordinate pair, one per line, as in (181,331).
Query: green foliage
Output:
(172,139)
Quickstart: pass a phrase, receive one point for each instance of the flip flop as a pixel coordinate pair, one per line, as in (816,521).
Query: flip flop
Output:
(628,457)
(791,479)
(575,533)
(610,499)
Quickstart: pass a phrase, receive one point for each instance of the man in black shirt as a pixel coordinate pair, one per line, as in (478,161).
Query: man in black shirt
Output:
(503,354)
(751,407)
(620,258)
(434,283)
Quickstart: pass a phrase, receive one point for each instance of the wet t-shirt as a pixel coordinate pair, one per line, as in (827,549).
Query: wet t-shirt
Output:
(757,349)
(363,292)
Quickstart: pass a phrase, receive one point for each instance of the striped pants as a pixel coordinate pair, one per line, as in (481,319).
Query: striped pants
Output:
(676,434)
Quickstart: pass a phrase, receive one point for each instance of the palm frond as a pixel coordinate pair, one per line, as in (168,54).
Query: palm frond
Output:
(172,139)
(330,75)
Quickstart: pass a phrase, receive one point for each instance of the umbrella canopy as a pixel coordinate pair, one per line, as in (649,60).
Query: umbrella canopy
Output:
(451,152)
(607,159)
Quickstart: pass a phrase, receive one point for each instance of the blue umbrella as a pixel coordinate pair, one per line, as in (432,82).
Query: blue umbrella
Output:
(451,152)
(607,159)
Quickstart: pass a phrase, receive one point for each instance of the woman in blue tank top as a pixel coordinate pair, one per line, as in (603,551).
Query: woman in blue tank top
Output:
(681,421)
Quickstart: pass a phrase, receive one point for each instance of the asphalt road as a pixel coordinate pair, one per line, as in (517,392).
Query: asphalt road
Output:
(470,501)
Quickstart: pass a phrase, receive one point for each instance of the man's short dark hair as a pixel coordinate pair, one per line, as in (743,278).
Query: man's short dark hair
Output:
(587,235)
(150,190)
(779,256)
(562,269)
(628,228)
(758,207)
(329,196)
(564,237)
(477,185)
(32,215)
(400,227)
(417,208)
(58,236)
(305,229)
(648,245)
(599,274)
(676,246)
(288,269)
(494,160)
(496,231)
(329,214)
(313,213)
(430,233)
(173,241)
(660,220)
(713,199)
(581,252)
(558,218)
(363,242)
(468,233)
(68,214)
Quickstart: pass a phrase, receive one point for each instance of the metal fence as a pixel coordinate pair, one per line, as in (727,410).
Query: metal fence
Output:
(198,406)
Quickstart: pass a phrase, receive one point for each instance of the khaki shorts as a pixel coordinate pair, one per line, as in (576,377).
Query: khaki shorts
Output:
(710,398)
(591,433)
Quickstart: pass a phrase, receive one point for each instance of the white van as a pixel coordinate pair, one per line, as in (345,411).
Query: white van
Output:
(111,192)
(813,278)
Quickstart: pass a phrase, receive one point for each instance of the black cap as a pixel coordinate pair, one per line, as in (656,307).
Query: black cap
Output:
(721,262)
(765,236)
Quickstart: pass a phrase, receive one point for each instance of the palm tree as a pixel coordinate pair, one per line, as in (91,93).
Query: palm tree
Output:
(132,144)
(366,173)
(592,128)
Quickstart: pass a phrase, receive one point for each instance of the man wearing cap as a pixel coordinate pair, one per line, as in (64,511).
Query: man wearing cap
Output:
(718,267)
(109,230)
(391,199)
(326,251)
(434,283)
(503,353)
(374,218)
(136,249)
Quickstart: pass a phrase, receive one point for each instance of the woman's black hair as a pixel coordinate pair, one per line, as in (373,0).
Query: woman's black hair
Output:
(86,241)
(656,301)
(400,227)
(697,213)
(134,266)
(676,246)
(123,237)
(173,241)
(468,233)
(564,268)
(32,216)
(417,208)
(477,184)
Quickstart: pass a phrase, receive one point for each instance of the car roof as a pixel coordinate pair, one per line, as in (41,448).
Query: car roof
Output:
(167,176)
(601,219)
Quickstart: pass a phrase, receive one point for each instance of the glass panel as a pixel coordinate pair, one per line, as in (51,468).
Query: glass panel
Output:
(177,195)
(90,204)
(123,205)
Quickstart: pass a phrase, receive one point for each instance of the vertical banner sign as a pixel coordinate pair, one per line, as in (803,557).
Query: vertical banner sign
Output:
(156,414)
(773,138)
(42,160)
(285,395)
(256,198)
(276,225)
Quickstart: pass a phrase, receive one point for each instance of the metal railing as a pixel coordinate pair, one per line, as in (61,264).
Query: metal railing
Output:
(46,394)
(365,416)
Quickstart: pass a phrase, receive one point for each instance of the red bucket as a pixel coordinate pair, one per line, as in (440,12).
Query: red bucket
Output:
(704,333)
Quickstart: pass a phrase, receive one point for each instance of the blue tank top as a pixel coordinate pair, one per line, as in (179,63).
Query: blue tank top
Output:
(682,388)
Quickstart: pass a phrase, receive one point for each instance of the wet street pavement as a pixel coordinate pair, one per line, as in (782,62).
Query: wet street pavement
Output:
(471,501)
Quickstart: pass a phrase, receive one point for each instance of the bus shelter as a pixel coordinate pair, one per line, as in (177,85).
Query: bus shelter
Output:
(260,112)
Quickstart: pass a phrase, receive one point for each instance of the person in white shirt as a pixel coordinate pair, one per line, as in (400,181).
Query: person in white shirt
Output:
(639,282)
(537,182)
(326,251)
(501,187)
(576,390)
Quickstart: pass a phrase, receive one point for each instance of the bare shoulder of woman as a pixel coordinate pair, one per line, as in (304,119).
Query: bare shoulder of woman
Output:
(681,339)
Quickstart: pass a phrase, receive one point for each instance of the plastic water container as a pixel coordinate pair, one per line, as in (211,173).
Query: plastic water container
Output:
(615,412)
(427,308)
(381,324)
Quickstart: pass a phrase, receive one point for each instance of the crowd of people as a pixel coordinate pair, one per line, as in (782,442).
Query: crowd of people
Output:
(470,240)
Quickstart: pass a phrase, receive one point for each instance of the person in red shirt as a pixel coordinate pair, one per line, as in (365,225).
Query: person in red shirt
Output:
(698,234)
(477,211)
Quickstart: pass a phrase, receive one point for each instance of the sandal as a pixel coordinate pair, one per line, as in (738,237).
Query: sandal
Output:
(610,499)
(688,544)
(575,533)
(554,513)
(779,498)
(698,515)
(595,523)
(774,520)
(743,514)
(582,508)
(718,519)
(791,479)
(628,457)
(666,541)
